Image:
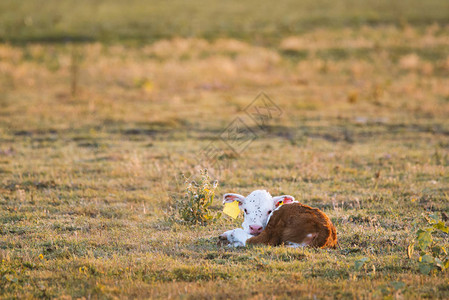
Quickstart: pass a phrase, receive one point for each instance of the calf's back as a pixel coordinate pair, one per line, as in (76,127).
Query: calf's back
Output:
(298,224)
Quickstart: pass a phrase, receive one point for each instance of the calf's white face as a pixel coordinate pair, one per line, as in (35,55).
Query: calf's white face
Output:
(257,207)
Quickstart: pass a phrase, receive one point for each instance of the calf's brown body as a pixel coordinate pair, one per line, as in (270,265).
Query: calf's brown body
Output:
(300,224)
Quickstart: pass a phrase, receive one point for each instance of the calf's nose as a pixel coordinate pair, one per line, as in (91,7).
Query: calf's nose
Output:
(255,229)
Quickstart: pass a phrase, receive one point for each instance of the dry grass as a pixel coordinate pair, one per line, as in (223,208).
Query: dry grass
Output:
(86,180)
(140,21)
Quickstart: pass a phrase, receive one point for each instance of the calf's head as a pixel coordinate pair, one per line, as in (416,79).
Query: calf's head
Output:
(257,207)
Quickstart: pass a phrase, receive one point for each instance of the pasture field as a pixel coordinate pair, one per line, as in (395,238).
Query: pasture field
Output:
(94,137)
(258,21)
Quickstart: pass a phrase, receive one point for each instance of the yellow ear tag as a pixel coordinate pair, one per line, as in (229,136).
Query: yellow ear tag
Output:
(280,203)
(232,209)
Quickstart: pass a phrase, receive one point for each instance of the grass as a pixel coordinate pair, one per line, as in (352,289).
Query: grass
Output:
(87,178)
(258,21)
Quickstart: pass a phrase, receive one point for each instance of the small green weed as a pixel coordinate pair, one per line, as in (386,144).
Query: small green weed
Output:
(193,208)
(358,264)
(433,243)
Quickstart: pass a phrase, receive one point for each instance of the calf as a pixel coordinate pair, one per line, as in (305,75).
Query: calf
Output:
(267,221)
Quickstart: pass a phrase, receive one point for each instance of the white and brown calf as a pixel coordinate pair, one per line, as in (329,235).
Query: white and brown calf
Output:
(267,221)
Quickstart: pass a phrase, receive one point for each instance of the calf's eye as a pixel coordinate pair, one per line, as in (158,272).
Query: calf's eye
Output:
(269,212)
(246,212)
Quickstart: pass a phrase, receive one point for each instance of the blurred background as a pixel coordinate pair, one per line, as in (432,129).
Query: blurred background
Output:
(255,21)
(107,61)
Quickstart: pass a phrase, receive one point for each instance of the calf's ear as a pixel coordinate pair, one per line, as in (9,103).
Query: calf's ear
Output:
(284,199)
(230,197)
